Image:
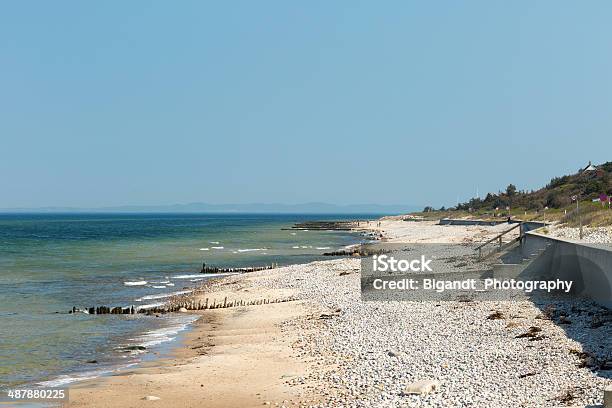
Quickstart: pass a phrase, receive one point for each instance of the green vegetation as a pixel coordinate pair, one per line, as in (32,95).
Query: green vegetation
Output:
(554,202)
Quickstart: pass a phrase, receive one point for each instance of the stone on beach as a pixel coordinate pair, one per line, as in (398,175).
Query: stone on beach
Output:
(421,387)
(135,348)
(608,396)
(183,310)
(151,398)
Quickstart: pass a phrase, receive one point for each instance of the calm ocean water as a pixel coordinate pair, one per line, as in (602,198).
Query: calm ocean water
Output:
(51,262)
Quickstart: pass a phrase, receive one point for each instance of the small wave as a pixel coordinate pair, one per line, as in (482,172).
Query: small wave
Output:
(200,275)
(162,295)
(252,249)
(89,375)
(187,276)
(159,287)
(322,247)
(158,336)
(170,284)
(65,379)
(295,247)
(195,280)
(217,247)
(293,233)
(160,282)
(149,306)
(135,283)
(214,242)
(204,249)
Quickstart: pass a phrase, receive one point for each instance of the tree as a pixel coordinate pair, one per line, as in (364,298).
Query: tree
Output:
(511,190)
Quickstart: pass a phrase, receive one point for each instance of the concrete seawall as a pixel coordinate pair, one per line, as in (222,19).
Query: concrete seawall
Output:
(588,266)
(526,225)
(450,221)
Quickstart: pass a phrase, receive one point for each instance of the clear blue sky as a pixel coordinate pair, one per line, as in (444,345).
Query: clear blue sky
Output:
(135,102)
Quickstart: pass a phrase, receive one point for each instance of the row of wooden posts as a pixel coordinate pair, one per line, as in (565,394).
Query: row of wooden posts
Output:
(215,269)
(176,306)
(106,310)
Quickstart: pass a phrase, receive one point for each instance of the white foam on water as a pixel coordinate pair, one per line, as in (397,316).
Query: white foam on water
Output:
(169,284)
(252,249)
(161,282)
(149,339)
(187,276)
(217,247)
(204,249)
(322,247)
(214,242)
(159,287)
(89,375)
(296,247)
(200,275)
(165,334)
(149,306)
(196,280)
(293,233)
(135,283)
(65,379)
(162,295)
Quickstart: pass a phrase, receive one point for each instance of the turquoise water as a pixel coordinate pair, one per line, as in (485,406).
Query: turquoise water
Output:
(50,263)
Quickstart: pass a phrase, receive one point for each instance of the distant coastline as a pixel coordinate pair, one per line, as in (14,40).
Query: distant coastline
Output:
(251,208)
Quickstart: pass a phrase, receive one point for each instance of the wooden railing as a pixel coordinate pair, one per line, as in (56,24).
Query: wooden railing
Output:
(499,238)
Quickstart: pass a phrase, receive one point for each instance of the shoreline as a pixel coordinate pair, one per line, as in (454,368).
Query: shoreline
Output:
(108,361)
(329,348)
(223,346)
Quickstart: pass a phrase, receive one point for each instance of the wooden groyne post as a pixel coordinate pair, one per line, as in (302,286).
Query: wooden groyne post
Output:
(216,269)
(188,304)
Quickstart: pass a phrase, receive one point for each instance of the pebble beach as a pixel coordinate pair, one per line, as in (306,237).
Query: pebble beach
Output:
(345,352)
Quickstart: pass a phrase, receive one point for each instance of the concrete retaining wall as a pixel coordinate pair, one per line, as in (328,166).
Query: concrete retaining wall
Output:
(450,221)
(588,266)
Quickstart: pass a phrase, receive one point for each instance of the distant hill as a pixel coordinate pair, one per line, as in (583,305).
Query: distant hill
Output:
(306,208)
(586,184)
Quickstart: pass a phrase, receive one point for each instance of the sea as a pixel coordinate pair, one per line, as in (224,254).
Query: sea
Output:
(52,262)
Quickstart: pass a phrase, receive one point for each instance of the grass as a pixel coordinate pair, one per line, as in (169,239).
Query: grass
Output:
(593,215)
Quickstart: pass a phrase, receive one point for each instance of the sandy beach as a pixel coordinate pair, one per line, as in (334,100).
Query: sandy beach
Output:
(328,348)
(394,229)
